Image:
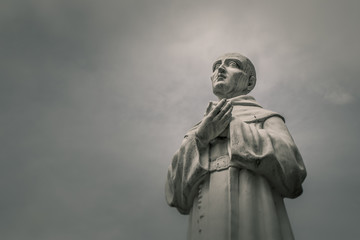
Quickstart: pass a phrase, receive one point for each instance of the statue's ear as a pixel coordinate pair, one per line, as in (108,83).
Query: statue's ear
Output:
(251,83)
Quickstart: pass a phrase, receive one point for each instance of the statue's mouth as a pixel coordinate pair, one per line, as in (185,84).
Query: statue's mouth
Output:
(220,77)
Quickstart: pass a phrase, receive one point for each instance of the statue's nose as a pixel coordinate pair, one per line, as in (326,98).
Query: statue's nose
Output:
(221,68)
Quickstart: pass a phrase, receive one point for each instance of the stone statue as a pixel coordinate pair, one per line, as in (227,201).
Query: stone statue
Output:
(236,165)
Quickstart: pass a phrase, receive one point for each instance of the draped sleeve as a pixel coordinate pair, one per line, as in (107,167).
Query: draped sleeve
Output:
(269,150)
(187,169)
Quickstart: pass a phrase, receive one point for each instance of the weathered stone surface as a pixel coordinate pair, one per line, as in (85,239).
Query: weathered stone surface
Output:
(236,165)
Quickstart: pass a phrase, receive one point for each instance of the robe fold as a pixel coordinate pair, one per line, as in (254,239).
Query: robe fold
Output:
(234,189)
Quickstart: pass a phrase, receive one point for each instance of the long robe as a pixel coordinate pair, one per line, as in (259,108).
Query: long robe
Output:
(234,189)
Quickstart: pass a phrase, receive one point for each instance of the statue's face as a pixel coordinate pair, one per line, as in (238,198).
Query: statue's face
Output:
(229,78)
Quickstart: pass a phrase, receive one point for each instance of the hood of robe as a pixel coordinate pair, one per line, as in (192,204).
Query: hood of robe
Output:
(245,108)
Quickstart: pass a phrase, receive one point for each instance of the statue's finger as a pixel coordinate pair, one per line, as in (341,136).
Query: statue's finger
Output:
(226,107)
(227,115)
(208,108)
(217,109)
(223,110)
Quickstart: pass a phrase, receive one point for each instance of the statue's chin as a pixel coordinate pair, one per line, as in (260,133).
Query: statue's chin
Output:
(219,92)
(220,87)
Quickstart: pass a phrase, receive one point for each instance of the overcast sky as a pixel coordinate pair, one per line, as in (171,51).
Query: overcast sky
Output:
(96,96)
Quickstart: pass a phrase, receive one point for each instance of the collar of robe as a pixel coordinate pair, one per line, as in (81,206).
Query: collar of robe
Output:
(247,109)
(244,100)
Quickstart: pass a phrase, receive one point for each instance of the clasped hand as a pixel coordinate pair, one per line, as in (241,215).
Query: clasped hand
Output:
(215,122)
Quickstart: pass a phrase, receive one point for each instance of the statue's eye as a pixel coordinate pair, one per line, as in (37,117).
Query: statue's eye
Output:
(216,66)
(233,64)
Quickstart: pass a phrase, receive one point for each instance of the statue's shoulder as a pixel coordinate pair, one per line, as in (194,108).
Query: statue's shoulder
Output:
(248,110)
(260,115)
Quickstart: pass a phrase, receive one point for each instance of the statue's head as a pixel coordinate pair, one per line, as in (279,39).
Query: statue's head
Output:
(233,75)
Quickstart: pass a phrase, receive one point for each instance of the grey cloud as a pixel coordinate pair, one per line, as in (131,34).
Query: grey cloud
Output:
(96,96)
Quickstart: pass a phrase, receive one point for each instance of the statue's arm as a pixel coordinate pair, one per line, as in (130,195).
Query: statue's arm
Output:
(270,151)
(288,157)
(187,169)
(190,163)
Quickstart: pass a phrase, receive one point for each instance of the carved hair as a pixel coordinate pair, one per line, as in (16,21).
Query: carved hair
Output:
(249,68)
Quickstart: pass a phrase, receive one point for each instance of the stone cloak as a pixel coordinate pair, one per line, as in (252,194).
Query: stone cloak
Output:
(238,196)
